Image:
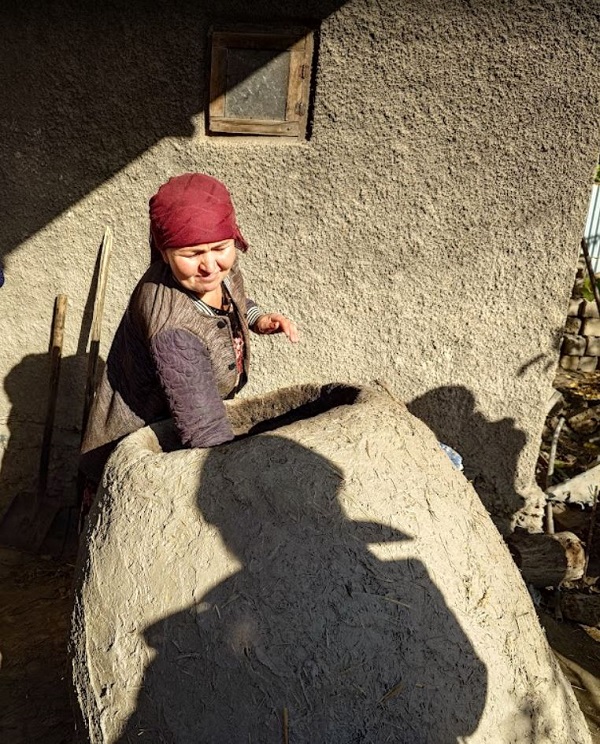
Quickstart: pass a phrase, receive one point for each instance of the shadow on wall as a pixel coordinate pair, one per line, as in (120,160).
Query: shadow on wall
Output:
(490,447)
(355,648)
(26,425)
(26,421)
(88,87)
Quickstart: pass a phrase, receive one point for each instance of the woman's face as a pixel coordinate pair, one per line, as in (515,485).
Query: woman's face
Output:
(201,268)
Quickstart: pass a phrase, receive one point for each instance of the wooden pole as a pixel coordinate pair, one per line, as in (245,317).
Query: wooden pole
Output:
(549,474)
(285,723)
(588,544)
(55,351)
(97,314)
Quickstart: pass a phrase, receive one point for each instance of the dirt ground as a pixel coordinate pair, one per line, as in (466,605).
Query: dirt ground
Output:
(35,608)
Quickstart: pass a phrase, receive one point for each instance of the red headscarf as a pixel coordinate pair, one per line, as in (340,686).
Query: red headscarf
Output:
(190,210)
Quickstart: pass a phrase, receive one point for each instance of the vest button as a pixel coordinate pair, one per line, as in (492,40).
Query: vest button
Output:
(221,324)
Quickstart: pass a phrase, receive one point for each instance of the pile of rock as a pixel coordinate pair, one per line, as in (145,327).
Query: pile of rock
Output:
(580,348)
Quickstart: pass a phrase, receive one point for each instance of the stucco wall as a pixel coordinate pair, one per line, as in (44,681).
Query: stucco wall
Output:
(444,186)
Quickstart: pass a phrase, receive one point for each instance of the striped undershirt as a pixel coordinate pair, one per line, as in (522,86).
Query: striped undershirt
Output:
(252,314)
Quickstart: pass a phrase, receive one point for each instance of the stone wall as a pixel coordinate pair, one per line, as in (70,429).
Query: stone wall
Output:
(580,349)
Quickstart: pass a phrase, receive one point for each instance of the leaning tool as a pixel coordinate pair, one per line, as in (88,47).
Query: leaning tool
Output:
(29,516)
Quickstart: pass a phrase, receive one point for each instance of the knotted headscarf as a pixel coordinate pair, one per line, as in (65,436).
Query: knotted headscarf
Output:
(192,209)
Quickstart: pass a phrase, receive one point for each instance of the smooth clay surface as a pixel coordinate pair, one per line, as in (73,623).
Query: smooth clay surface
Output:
(328,576)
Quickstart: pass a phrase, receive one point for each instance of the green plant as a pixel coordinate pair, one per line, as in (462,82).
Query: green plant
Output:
(586,291)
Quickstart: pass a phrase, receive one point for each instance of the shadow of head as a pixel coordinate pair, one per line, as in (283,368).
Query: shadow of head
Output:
(276,493)
(490,449)
(451,412)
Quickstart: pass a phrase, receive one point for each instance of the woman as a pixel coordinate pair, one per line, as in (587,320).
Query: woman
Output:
(182,345)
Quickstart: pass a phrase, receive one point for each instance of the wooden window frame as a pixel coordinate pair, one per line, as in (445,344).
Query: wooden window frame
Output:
(299,42)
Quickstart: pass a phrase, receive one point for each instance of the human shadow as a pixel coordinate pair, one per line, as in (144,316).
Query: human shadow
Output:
(27,388)
(42,520)
(23,385)
(490,449)
(314,636)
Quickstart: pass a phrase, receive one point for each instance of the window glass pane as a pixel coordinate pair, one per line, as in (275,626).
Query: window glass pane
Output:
(257,83)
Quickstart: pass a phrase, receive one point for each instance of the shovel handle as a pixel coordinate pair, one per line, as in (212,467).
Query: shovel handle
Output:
(55,352)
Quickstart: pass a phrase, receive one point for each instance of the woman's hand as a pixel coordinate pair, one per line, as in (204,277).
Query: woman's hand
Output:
(275,323)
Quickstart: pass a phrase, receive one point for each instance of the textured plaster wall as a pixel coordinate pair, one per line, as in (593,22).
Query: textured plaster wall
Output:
(444,186)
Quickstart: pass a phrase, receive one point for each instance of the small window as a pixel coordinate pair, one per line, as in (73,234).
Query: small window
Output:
(260,82)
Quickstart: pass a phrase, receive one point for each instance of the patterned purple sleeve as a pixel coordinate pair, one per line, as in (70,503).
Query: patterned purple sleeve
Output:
(186,375)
